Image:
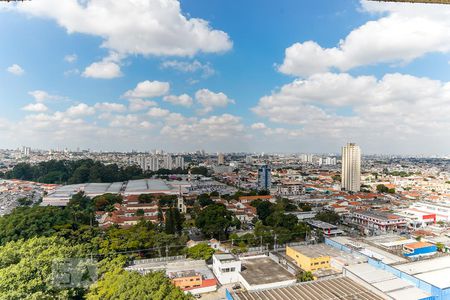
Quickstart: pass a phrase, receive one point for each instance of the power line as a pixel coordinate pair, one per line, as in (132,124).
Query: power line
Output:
(274,236)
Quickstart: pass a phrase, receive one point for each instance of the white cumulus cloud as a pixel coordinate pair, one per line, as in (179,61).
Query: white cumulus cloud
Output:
(140,104)
(35,107)
(15,69)
(80,110)
(110,107)
(210,100)
(144,27)
(189,67)
(42,96)
(183,100)
(107,68)
(258,126)
(71,58)
(158,112)
(404,34)
(148,89)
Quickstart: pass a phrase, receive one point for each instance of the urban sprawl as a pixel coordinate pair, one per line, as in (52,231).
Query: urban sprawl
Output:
(256,225)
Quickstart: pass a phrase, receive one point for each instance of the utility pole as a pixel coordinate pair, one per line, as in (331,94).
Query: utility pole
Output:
(275,243)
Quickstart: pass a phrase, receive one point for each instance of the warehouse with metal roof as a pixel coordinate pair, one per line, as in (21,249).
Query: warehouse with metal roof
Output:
(336,288)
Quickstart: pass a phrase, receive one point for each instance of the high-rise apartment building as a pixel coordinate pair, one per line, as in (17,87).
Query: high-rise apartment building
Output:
(264,178)
(179,162)
(153,163)
(26,150)
(142,162)
(330,160)
(168,162)
(220,159)
(351,168)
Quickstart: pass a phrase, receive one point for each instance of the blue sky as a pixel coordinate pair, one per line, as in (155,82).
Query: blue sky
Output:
(284,76)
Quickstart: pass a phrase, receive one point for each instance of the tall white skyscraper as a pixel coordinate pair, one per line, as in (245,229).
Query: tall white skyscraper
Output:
(351,168)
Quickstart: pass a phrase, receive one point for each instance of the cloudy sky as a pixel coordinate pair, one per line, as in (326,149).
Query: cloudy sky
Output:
(254,75)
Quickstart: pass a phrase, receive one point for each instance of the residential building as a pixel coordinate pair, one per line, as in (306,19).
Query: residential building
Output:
(179,162)
(290,188)
(168,162)
(220,159)
(264,178)
(142,162)
(351,168)
(330,161)
(153,163)
(377,221)
(226,267)
(26,151)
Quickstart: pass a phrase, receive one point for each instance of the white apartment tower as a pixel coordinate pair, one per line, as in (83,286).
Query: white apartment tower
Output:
(351,168)
(142,162)
(179,162)
(168,162)
(154,163)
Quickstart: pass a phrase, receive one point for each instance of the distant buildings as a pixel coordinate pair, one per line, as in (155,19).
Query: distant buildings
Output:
(156,162)
(331,161)
(26,151)
(129,213)
(264,178)
(179,162)
(290,188)
(378,221)
(168,162)
(351,168)
(220,159)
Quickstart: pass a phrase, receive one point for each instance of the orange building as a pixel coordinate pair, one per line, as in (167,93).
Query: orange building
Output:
(186,279)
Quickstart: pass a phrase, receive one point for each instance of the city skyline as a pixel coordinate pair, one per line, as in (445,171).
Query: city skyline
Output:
(306,81)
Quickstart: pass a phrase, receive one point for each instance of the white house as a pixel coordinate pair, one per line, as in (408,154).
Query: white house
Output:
(226,267)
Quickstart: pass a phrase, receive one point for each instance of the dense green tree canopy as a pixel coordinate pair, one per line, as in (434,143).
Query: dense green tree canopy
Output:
(199,171)
(214,221)
(118,284)
(204,200)
(143,236)
(200,251)
(27,222)
(174,221)
(328,216)
(26,268)
(105,202)
(145,198)
(263,209)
